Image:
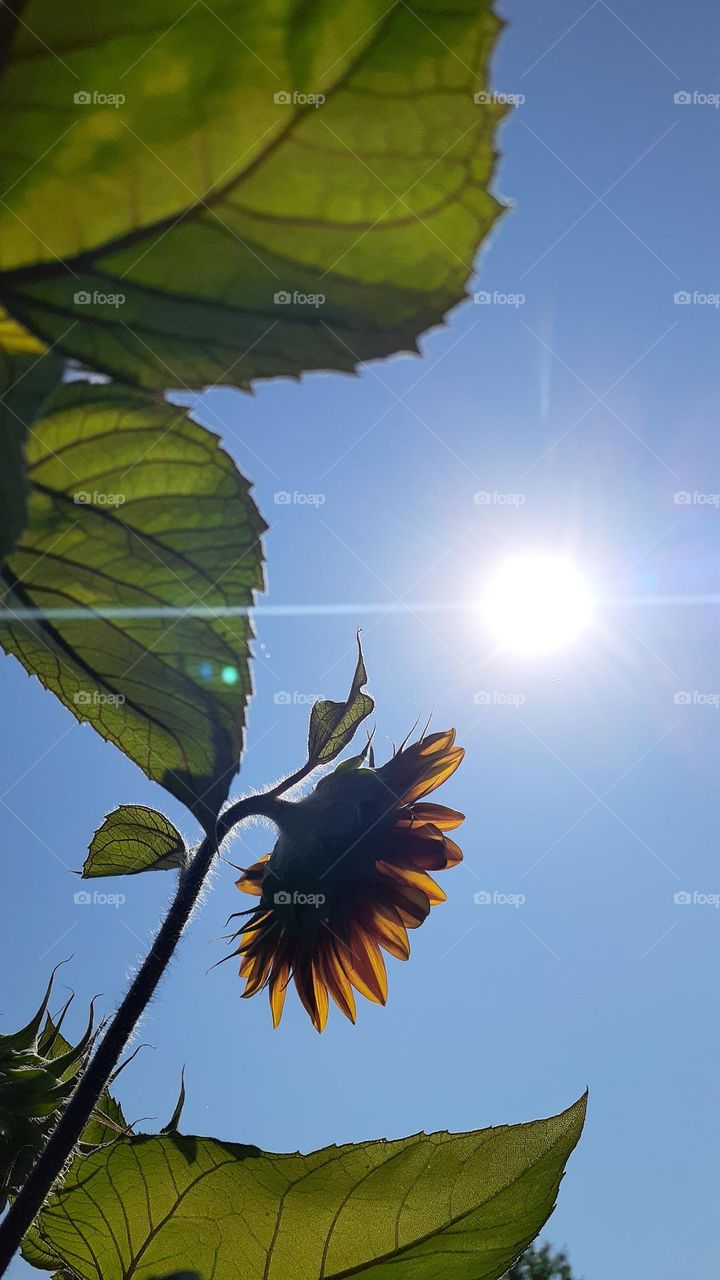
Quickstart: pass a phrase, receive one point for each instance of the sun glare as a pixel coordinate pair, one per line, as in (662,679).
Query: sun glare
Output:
(535,603)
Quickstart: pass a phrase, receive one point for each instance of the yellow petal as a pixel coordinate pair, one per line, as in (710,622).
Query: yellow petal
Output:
(337,982)
(438,815)
(251,880)
(417,880)
(278,987)
(363,963)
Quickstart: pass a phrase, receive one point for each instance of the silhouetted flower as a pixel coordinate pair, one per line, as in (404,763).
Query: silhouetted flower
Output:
(349,875)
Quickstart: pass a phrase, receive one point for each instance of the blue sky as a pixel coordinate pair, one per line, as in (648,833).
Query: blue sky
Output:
(593,792)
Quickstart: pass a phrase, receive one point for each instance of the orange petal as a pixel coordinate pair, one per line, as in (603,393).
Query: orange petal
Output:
(416,879)
(278,987)
(363,963)
(436,742)
(256,969)
(336,981)
(422,847)
(434,777)
(312,992)
(386,924)
(251,880)
(438,815)
(453,852)
(411,904)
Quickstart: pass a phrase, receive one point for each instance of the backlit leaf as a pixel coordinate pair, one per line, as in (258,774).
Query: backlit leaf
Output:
(228,192)
(333,724)
(134,838)
(27,375)
(140,530)
(432,1207)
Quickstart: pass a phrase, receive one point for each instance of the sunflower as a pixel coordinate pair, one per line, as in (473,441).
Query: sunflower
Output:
(347,877)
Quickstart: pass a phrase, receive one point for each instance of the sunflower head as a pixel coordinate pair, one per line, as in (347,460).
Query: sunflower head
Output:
(349,875)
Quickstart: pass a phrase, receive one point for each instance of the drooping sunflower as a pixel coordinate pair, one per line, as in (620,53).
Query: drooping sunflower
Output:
(349,875)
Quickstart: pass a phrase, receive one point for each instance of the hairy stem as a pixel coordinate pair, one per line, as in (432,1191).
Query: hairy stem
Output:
(65,1136)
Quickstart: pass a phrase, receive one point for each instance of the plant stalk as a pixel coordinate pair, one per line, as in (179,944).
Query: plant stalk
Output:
(64,1138)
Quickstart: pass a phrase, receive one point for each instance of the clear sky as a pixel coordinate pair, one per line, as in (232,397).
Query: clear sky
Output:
(593,793)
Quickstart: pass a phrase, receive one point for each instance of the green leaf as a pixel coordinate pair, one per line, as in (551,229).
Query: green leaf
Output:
(333,724)
(134,838)
(27,375)
(128,592)
(150,237)
(431,1207)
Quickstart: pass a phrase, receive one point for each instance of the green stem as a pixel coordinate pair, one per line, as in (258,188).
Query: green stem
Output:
(65,1136)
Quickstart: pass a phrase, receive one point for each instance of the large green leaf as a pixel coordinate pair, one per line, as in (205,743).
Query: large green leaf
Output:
(431,1207)
(150,237)
(27,375)
(134,838)
(140,529)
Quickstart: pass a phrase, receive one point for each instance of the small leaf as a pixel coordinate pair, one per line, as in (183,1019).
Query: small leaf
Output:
(129,591)
(432,1207)
(173,1122)
(134,838)
(333,724)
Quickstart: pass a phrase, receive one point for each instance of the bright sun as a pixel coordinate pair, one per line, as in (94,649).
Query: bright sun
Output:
(534,603)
